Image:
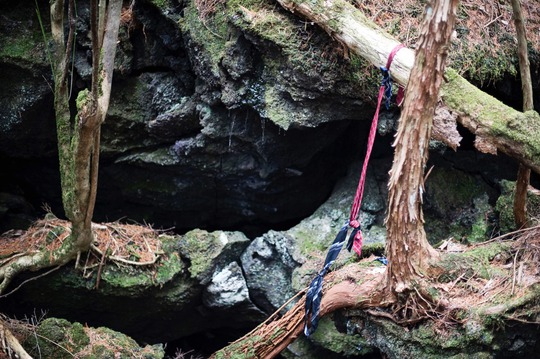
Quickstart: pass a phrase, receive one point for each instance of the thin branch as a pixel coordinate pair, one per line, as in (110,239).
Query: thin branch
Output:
(125,261)
(100,267)
(524,172)
(31,279)
(96,50)
(522,320)
(109,50)
(71,37)
(514,272)
(58,345)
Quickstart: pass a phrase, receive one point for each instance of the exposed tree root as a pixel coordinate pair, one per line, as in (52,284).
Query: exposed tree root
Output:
(458,290)
(46,245)
(274,335)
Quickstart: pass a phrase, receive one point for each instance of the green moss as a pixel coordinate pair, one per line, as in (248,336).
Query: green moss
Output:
(478,232)
(161,156)
(495,313)
(137,279)
(23,43)
(522,128)
(211,34)
(328,336)
(162,4)
(201,248)
(274,109)
(366,75)
(309,247)
(426,341)
(503,121)
(57,338)
(473,262)
(293,44)
(505,206)
(483,65)
(453,189)
(118,345)
(466,98)
(60,339)
(21,48)
(168,269)
(457,206)
(82,98)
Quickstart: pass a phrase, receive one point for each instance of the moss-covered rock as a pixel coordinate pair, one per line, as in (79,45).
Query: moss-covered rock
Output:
(474,262)
(484,333)
(426,342)
(298,64)
(457,206)
(206,251)
(505,206)
(60,339)
(22,37)
(121,280)
(57,338)
(345,344)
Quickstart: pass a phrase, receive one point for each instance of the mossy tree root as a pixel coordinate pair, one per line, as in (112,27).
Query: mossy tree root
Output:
(42,259)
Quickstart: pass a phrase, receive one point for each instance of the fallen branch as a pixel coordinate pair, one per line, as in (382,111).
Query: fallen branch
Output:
(125,261)
(10,344)
(31,279)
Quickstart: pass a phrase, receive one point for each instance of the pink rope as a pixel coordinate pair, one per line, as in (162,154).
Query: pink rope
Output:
(357,203)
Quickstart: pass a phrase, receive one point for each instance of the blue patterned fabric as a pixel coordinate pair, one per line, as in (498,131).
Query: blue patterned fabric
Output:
(387,83)
(314,293)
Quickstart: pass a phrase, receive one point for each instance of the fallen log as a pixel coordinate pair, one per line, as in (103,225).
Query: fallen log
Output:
(498,128)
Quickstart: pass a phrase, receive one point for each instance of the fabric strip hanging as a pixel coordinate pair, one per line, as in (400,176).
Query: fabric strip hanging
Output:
(314,293)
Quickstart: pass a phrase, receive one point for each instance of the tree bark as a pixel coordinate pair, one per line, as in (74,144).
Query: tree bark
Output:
(497,126)
(78,134)
(407,249)
(273,336)
(524,173)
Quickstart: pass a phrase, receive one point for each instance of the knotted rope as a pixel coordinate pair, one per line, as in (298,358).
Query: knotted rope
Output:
(314,293)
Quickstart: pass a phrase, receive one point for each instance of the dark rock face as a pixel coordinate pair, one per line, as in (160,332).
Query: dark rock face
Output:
(239,139)
(246,137)
(222,125)
(268,265)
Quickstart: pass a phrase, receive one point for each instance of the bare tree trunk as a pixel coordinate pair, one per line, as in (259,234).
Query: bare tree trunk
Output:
(524,172)
(407,249)
(78,134)
(492,122)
